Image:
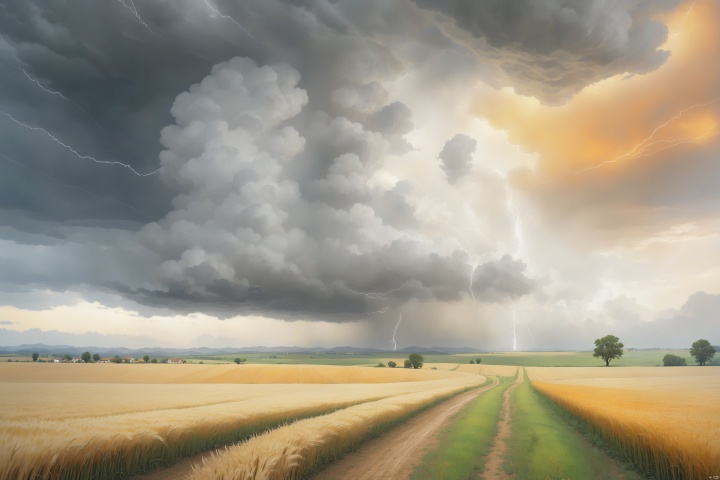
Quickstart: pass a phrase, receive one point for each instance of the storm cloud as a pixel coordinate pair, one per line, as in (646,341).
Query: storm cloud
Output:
(249,228)
(314,162)
(552,49)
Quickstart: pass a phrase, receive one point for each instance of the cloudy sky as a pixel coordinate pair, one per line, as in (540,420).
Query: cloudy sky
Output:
(501,175)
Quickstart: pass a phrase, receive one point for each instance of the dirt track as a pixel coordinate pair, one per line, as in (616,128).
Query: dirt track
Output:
(493,465)
(395,454)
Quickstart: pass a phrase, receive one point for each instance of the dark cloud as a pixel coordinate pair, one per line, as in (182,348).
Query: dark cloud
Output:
(552,49)
(456,157)
(501,280)
(273,196)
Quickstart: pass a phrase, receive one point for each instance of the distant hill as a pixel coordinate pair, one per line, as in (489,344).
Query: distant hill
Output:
(45,350)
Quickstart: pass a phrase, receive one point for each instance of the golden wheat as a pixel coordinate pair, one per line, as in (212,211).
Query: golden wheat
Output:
(667,423)
(95,430)
(291,452)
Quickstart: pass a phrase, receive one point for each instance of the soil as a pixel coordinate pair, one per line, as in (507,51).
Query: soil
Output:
(494,460)
(396,453)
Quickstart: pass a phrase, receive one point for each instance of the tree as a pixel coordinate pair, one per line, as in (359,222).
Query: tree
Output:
(416,360)
(478,361)
(35,357)
(408,363)
(608,348)
(67,357)
(96,357)
(381,365)
(86,357)
(392,364)
(238,360)
(702,351)
(154,360)
(671,360)
(117,359)
(472,362)
(146,358)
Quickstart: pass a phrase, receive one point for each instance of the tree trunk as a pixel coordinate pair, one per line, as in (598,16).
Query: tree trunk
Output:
(607,362)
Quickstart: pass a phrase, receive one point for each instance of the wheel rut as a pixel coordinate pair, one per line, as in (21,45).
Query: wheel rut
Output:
(394,455)
(498,450)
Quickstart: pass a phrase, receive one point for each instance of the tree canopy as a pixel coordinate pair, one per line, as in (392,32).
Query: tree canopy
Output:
(671,360)
(702,351)
(416,360)
(608,348)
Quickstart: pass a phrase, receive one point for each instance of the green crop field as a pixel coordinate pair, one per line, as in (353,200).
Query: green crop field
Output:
(631,358)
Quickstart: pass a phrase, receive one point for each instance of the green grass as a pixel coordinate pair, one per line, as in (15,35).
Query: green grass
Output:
(543,445)
(631,358)
(645,358)
(463,444)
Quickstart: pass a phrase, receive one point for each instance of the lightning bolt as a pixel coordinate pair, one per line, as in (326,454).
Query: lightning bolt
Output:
(531,334)
(640,149)
(53,92)
(378,312)
(682,22)
(36,82)
(67,185)
(217,13)
(472,280)
(517,218)
(373,295)
(134,11)
(395,332)
(68,147)
(514,331)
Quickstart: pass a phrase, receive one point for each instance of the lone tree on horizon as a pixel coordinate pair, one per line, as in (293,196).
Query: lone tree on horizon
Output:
(608,348)
(702,351)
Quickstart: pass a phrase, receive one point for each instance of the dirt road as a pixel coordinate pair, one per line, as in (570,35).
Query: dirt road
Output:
(493,465)
(395,454)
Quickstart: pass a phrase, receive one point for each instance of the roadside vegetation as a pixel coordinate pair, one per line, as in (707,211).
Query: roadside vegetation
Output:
(464,443)
(543,445)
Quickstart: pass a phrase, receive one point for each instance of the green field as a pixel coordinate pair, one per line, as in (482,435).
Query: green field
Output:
(631,358)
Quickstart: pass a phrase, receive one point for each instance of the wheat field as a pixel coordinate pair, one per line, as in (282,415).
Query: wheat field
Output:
(97,420)
(291,452)
(666,419)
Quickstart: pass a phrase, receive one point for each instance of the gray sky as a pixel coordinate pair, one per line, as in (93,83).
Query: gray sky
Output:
(529,174)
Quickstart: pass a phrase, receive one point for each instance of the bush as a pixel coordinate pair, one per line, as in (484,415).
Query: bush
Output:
(671,360)
(392,364)
(472,362)
(408,364)
(381,365)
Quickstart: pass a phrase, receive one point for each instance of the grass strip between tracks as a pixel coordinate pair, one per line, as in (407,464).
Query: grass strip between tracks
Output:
(463,444)
(543,445)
